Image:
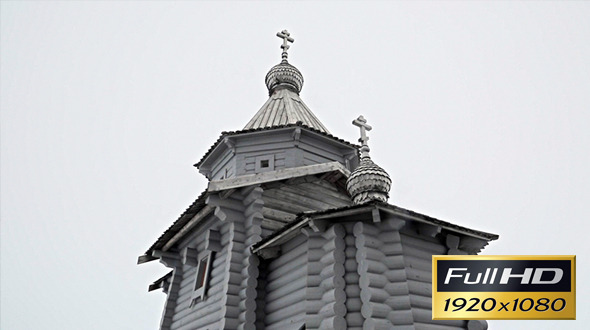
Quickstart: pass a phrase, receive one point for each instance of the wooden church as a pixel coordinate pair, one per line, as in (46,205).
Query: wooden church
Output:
(294,232)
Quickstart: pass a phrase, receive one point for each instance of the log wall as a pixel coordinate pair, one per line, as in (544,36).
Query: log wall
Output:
(285,284)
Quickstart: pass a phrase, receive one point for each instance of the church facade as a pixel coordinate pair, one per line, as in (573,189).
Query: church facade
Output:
(294,231)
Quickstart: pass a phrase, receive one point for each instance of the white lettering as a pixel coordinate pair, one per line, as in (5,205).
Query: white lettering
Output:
(450,274)
(472,282)
(524,277)
(557,275)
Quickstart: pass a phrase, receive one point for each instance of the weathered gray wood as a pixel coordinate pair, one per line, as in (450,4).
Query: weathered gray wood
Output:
(278,215)
(250,179)
(286,301)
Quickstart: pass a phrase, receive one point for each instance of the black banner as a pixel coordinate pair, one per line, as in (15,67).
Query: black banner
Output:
(503,275)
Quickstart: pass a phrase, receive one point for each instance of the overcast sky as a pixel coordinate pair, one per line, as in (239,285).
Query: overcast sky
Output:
(480,113)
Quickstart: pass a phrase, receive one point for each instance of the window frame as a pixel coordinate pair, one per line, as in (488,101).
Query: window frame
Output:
(270,159)
(203,275)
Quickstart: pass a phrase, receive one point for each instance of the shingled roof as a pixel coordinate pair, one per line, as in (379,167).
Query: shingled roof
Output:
(282,108)
(251,130)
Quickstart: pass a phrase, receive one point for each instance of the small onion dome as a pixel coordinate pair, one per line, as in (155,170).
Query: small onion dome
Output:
(284,75)
(368,182)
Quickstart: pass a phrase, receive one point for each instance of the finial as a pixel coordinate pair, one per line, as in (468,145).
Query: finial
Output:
(361,122)
(285,35)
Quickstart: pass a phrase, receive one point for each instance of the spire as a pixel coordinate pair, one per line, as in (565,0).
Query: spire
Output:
(284,106)
(368,182)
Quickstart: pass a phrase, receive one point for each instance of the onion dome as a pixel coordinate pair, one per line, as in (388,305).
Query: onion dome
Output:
(284,106)
(284,75)
(368,182)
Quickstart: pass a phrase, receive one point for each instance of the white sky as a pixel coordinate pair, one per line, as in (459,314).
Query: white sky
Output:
(480,113)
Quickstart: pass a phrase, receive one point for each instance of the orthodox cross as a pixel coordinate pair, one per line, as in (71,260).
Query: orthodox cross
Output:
(361,122)
(285,35)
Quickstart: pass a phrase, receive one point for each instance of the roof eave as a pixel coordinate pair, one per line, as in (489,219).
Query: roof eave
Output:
(256,131)
(284,234)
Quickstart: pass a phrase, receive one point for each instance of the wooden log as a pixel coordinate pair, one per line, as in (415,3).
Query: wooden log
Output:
(421,301)
(372,254)
(361,228)
(373,280)
(314,255)
(375,310)
(333,309)
(351,275)
(377,324)
(397,288)
(418,263)
(430,326)
(285,313)
(285,301)
(333,322)
(288,257)
(286,289)
(392,248)
(422,315)
(298,273)
(197,319)
(419,275)
(371,266)
(374,295)
(399,302)
(230,323)
(354,320)
(396,275)
(279,215)
(401,317)
(353,304)
(419,288)
(293,322)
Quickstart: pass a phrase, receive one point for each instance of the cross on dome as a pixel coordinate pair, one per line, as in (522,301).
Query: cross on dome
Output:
(361,122)
(285,35)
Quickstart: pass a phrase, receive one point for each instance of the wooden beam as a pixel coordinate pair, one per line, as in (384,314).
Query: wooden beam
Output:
(189,226)
(281,174)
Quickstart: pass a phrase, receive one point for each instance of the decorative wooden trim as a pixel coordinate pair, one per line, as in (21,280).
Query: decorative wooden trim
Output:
(428,229)
(168,259)
(231,145)
(376,215)
(297,136)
